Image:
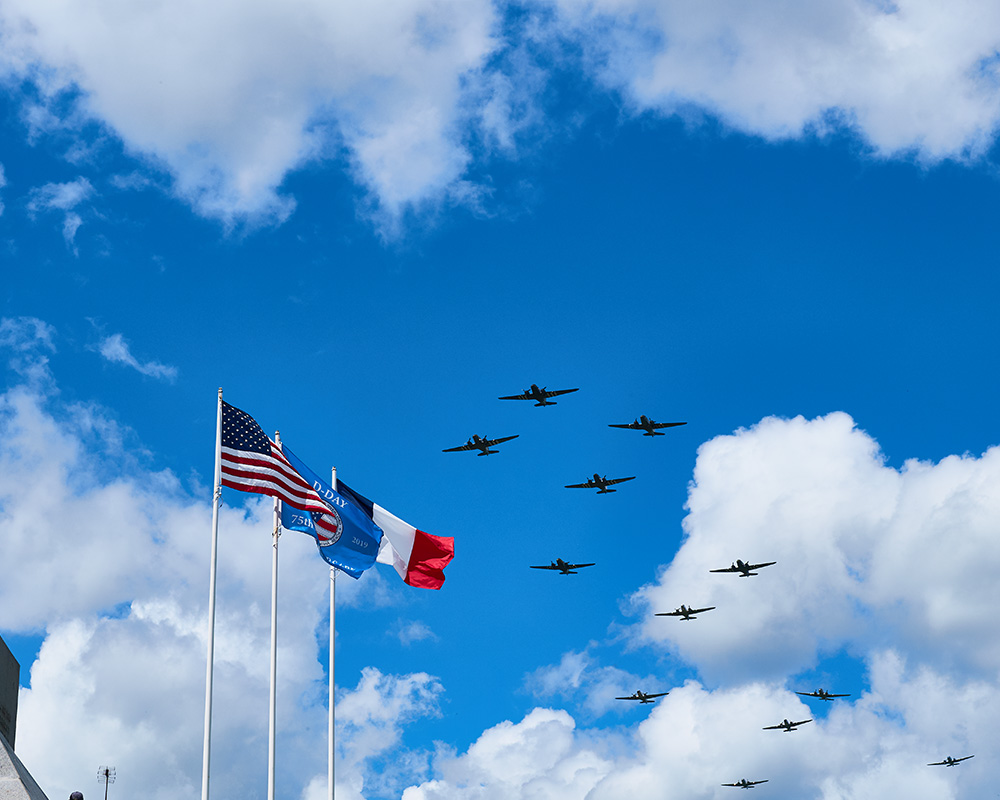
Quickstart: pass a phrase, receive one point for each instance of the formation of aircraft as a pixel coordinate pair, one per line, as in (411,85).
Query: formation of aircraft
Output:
(563,567)
(786,726)
(744,568)
(601,483)
(822,694)
(650,427)
(643,697)
(540,396)
(949,761)
(684,612)
(481,443)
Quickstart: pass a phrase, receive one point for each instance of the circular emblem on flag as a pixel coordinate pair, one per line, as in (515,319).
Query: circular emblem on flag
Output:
(329,529)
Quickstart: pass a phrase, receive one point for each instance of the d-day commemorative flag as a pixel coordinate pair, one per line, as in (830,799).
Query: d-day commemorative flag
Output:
(418,557)
(354,546)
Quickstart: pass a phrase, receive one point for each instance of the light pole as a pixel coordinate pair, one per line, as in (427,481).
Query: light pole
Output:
(106,774)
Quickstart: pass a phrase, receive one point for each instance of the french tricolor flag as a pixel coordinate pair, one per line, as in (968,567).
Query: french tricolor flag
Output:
(418,557)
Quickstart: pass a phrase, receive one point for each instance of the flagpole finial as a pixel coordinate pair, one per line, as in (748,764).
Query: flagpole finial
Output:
(220,392)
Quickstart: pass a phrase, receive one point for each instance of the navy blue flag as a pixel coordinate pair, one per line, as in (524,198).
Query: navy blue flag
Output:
(354,546)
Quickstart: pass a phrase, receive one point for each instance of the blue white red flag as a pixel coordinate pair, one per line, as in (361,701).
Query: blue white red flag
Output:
(347,538)
(418,557)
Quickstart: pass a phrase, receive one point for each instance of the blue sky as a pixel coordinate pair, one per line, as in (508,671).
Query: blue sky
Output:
(365,228)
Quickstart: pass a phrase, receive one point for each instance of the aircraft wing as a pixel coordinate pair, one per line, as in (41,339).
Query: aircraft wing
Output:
(758,566)
(557,392)
(630,697)
(587,485)
(726,569)
(699,610)
(667,424)
(803,722)
(545,566)
(491,442)
(630,425)
(772,727)
(619,480)
(671,614)
(578,566)
(523,396)
(461,447)
(657,694)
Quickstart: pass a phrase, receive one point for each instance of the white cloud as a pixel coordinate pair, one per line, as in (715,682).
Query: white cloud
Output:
(230,96)
(867,554)
(3,183)
(64,197)
(694,740)
(580,679)
(909,76)
(116,350)
(415,631)
(31,340)
(540,756)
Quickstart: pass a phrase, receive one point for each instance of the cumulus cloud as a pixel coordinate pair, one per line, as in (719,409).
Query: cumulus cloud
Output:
(696,739)
(228,97)
(578,677)
(231,97)
(867,554)
(64,197)
(540,756)
(909,77)
(116,350)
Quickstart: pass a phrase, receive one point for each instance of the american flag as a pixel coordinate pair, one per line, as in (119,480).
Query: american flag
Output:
(251,462)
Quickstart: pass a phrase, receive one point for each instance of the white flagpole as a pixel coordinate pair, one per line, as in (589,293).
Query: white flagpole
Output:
(333,636)
(272,710)
(216,500)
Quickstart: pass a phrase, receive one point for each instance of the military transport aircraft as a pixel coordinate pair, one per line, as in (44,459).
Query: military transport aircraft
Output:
(600,483)
(642,697)
(786,726)
(684,612)
(540,396)
(482,443)
(743,783)
(949,761)
(563,567)
(822,694)
(649,426)
(744,568)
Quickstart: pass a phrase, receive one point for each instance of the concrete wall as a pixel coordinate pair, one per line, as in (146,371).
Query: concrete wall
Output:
(10,675)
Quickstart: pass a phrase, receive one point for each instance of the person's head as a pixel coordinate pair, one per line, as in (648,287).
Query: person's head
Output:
(76,796)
